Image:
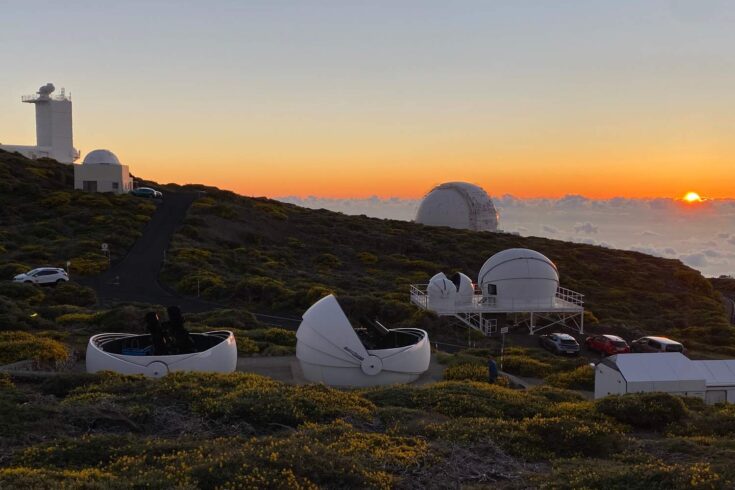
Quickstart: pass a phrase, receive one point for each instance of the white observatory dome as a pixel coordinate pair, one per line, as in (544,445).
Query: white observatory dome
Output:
(519,276)
(101,157)
(330,351)
(445,293)
(458,205)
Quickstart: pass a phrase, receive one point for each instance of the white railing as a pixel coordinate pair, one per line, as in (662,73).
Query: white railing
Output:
(37,97)
(564,300)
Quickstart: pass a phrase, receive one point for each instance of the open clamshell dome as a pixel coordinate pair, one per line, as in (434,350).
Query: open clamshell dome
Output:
(444,292)
(130,354)
(330,351)
(519,275)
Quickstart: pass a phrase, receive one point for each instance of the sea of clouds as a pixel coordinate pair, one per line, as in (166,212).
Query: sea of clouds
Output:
(700,235)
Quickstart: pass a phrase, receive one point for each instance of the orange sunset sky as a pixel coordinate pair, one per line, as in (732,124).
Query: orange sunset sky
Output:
(346,99)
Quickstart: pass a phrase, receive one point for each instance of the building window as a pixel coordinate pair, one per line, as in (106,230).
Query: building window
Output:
(89,186)
(115,186)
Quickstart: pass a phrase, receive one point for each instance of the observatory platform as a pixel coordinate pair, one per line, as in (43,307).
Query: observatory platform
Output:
(516,287)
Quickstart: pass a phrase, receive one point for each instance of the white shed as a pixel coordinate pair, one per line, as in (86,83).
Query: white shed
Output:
(670,372)
(720,378)
(330,351)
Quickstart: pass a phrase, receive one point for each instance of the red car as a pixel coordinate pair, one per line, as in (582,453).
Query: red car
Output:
(607,344)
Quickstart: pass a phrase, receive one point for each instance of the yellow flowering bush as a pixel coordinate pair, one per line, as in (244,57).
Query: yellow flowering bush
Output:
(18,346)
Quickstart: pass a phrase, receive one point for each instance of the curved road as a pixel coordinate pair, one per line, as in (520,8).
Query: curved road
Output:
(135,277)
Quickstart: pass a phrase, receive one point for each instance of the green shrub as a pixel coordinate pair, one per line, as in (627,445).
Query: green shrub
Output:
(246,346)
(70,293)
(471,372)
(77,318)
(18,346)
(461,399)
(251,398)
(644,410)
(582,378)
(536,437)
(522,365)
(556,395)
(642,476)
(23,292)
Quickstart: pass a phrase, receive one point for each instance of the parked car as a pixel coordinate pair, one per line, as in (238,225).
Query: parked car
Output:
(559,343)
(147,192)
(657,344)
(607,345)
(43,275)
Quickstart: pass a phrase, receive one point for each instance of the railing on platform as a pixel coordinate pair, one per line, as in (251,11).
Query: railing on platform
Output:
(564,299)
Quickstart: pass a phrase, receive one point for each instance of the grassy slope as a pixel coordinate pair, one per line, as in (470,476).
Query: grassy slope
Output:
(43,221)
(246,431)
(273,256)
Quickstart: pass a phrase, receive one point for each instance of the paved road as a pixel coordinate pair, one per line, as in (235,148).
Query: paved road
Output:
(135,277)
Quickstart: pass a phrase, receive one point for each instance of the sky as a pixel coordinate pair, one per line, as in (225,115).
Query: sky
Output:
(346,100)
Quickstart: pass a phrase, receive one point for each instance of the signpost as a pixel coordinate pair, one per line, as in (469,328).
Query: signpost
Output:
(503,331)
(106,251)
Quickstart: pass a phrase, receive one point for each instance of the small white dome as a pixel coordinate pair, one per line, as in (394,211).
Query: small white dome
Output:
(519,275)
(101,157)
(458,205)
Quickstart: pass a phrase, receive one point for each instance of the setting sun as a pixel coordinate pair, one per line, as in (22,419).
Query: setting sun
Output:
(692,197)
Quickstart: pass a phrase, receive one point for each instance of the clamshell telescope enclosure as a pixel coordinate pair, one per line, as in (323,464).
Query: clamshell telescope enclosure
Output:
(515,287)
(132,354)
(332,352)
(458,205)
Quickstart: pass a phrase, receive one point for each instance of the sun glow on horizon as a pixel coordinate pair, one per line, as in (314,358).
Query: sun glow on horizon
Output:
(692,197)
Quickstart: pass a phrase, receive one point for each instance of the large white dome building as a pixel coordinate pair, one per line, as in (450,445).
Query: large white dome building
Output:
(458,205)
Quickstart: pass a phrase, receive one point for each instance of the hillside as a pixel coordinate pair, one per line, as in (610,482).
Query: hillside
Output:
(270,256)
(43,222)
(240,430)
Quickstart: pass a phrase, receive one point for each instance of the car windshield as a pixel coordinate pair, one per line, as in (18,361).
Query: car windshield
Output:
(568,341)
(674,348)
(618,343)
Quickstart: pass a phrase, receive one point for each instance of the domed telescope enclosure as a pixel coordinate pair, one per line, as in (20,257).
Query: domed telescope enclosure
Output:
(458,205)
(330,351)
(515,287)
(101,157)
(102,171)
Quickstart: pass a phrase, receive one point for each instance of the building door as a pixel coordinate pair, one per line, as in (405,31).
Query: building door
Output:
(715,396)
(89,186)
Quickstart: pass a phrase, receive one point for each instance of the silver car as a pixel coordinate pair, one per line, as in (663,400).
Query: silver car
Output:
(43,275)
(559,343)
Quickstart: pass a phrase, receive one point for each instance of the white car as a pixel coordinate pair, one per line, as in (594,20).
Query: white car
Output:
(43,275)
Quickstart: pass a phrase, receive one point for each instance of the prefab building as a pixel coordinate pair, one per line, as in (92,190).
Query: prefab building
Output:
(670,372)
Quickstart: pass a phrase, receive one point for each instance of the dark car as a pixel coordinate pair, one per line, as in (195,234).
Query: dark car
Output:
(607,345)
(657,344)
(559,343)
(146,192)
